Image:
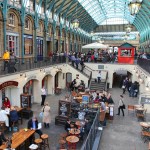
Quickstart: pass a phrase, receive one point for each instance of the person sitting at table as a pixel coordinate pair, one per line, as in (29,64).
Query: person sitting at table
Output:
(2,138)
(33,125)
(4,116)
(14,115)
(6,103)
(67,125)
(97,98)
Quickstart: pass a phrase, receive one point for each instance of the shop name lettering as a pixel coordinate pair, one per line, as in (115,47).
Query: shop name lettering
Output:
(6,84)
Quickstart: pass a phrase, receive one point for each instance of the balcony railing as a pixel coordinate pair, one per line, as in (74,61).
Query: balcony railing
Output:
(24,64)
(144,63)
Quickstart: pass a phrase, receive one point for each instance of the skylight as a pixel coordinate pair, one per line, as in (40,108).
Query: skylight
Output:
(106,9)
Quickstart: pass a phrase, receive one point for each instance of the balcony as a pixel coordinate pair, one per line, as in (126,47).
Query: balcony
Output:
(24,64)
(144,63)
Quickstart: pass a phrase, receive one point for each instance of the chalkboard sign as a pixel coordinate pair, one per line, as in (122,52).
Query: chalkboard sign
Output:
(25,101)
(64,108)
(145,100)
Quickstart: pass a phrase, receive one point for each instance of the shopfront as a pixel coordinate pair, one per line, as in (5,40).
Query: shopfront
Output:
(28,42)
(9,89)
(12,41)
(39,48)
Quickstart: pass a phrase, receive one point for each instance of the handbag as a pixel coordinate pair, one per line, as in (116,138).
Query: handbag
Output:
(41,114)
(124,106)
(123,87)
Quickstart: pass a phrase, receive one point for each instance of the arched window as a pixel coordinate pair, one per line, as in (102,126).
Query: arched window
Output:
(11,18)
(27,24)
(40,28)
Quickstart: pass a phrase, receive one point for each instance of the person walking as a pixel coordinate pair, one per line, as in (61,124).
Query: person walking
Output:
(43,95)
(99,76)
(120,106)
(11,64)
(6,57)
(46,115)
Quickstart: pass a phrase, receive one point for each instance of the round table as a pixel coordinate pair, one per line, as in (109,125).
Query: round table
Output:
(80,123)
(145,124)
(72,141)
(137,106)
(74,131)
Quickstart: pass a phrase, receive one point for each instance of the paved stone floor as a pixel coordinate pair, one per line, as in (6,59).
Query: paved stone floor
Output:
(123,133)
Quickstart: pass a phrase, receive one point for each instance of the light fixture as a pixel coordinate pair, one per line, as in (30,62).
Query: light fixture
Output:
(75,22)
(134,6)
(43,70)
(128,28)
(23,75)
(147,86)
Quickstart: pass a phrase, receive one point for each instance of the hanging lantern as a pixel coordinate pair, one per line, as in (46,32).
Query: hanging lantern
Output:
(75,24)
(134,6)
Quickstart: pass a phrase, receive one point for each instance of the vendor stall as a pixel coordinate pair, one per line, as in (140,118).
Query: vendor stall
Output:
(126,53)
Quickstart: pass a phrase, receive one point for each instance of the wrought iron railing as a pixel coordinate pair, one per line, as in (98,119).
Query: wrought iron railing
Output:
(88,144)
(144,63)
(23,64)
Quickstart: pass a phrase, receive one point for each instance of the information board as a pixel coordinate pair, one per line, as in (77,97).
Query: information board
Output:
(25,101)
(145,100)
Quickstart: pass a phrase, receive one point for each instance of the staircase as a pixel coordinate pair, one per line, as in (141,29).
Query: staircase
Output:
(95,86)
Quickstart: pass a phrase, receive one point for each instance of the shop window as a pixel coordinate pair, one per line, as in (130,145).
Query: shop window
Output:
(125,52)
(28,41)
(11,19)
(27,24)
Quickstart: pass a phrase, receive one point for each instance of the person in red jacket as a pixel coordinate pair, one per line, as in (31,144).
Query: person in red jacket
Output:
(6,103)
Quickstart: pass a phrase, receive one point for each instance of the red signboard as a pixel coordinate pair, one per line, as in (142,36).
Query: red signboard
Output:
(7,84)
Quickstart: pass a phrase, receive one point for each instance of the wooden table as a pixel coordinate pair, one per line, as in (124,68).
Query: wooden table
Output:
(74,131)
(19,138)
(72,140)
(58,90)
(80,123)
(137,106)
(145,124)
(139,109)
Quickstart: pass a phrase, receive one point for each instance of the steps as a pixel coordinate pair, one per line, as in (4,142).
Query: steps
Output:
(95,86)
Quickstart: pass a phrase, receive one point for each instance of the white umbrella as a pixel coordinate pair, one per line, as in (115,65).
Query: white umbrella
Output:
(95,46)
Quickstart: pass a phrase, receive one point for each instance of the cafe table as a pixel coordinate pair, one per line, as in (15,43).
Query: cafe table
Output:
(145,126)
(80,123)
(72,141)
(74,131)
(139,110)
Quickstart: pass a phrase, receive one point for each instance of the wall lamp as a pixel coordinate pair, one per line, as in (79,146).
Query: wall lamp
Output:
(43,70)
(147,86)
(23,75)
(141,79)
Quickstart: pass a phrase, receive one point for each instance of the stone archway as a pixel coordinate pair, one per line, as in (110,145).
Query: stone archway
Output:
(119,75)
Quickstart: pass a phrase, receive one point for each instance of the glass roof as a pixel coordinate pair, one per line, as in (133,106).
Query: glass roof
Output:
(101,10)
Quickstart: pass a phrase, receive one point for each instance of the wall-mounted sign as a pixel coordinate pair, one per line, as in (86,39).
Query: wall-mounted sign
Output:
(100,66)
(7,84)
(145,100)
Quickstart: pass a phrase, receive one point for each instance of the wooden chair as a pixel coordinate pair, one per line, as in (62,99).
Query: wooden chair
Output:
(44,137)
(2,126)
(142,116)
(131,108)
(63,136)
(145,136)
(62,144)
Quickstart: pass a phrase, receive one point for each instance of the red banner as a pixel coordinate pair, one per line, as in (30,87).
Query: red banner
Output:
(7,84)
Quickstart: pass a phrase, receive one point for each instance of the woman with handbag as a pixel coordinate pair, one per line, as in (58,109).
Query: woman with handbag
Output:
(46,115)
(121,106)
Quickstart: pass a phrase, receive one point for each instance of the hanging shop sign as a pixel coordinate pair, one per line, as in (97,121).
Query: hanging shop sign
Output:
(8,84)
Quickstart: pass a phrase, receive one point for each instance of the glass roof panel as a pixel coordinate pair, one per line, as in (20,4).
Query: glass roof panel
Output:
(113,21)
(106,9)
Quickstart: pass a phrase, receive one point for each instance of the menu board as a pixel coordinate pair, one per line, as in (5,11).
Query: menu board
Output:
(25,100)
(64,108)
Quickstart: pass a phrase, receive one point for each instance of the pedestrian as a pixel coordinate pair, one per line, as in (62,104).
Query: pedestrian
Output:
(43,95)
(99,76)
(46,115)
(121,106)
(11,64)
(6,57)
